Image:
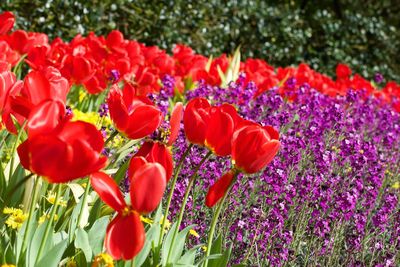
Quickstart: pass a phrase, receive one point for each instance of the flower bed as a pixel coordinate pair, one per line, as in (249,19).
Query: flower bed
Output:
(261,166)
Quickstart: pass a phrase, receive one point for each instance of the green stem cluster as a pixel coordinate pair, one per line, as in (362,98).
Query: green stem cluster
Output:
(215,220)
(184,202)
(49,223)
(174,179)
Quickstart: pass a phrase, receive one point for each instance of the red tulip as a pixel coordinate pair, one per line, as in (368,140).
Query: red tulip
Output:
(125,234)
(7,20)
(147,187)
(218,189)
(108,191)
(8,56)
(175,122)
(343,71)
(115,41)
(7,80)
(23,41)
(220,128)
(78,69)
(253,147)
(132,115)
(195,120)
(154,152)
(37,87)
(61,153)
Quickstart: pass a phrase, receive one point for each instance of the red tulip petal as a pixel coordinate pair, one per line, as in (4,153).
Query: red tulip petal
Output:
(37,87)
(117,108)
(143,121)
(219,132)
(195,120)
(160,153)
(49,156)
(21,105)
(175,122)
(125,237)
(85,160)
(82,69)
(108,190)
(253,149)
(7,20)
(23,153)
(147,187)
(45,117)
(218,189)
(79,130)
(145,149)
(135,164)
(274,134)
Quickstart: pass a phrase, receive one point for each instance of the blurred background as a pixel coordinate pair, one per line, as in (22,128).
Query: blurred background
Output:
(363,34)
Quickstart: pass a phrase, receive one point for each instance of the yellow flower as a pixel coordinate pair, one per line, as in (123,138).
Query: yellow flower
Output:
(167,223)
(146,220)
(51,198)
(91,117)
(8,265)
(7,210)
(194,233)
(82,95)
(71,263)
(118,141)
(46,217)
(104,260)
(204,248)
(396,185)
(16,217)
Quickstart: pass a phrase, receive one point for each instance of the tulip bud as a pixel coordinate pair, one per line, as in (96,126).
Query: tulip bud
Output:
(195,120)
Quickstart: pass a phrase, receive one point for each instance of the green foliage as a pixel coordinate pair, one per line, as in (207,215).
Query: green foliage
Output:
(320,33)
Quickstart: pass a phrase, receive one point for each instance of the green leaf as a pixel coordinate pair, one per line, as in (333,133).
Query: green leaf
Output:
(189,257)
(34,245)
(152,235)
(77,190)
(54,255)
(121,172)
(17,195)
(96,234)
(177,249)
(211,257)
(82,242)
(225,257)
(216,248)
(33,224)
(3,183)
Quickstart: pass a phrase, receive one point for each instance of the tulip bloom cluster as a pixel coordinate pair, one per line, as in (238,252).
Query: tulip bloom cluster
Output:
(94,61)
(224,132)
(337,142)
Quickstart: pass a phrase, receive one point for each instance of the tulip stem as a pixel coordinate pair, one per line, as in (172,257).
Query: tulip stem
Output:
(14,148)
(84,200)
(31,210)
(215,220)
(184,202)
(177,171)
(49,223)
(111,137)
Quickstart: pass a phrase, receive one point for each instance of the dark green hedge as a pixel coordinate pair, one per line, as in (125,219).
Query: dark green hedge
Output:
(321,33)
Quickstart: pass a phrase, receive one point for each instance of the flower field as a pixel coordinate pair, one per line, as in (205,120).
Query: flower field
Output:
(114,153)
